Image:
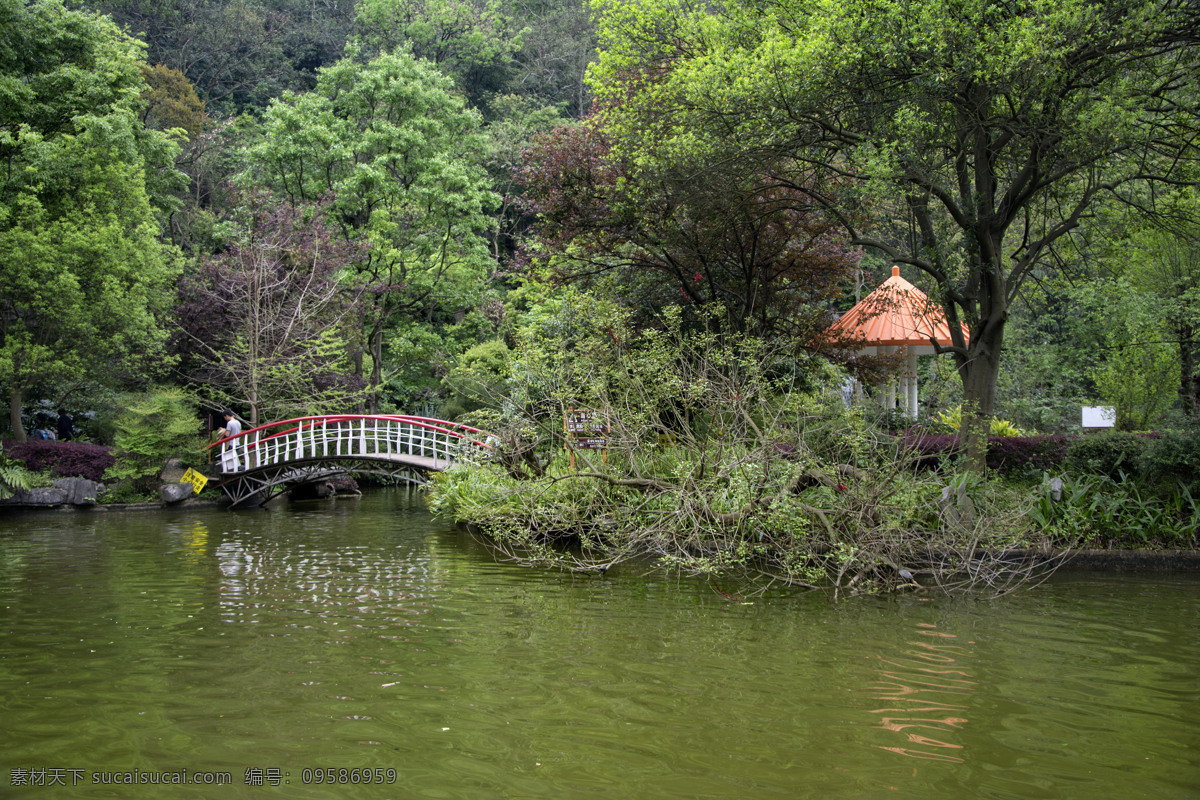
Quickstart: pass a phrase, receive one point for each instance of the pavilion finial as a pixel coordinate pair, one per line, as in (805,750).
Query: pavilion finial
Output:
(895,270)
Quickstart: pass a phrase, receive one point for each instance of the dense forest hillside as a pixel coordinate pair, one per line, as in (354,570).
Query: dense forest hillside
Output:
(645,212)
(224,106)
(417,182)
(240,54)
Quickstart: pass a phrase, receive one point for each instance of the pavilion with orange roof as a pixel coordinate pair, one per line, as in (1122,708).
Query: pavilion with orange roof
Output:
(897,317)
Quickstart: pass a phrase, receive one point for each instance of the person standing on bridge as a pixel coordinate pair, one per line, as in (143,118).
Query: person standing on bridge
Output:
(229,459)
(232,426)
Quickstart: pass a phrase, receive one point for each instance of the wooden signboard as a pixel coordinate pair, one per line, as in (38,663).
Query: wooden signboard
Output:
(586,430)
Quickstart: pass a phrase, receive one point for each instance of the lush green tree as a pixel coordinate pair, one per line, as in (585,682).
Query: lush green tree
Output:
(237,53)
(170,102)
(83,276)
(1051,352)
(518,121)
(1137,370)
(155,426)
(1151,252)
(1164,262)
(978,134)
(315,33)
(399,153)
(479,378)
(558,46)
(471,40)
(420,352)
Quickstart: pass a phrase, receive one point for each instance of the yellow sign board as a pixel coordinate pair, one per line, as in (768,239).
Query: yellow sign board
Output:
(197,480)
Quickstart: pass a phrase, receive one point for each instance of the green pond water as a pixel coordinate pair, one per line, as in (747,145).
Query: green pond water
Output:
(304,650)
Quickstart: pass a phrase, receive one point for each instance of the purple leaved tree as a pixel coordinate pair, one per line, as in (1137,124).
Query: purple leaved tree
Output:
(266,326)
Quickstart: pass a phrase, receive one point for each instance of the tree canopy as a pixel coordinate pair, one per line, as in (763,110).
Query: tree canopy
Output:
(265,324)
(400,155)
(83,274)
(471,40)
(766,254)
(965,139)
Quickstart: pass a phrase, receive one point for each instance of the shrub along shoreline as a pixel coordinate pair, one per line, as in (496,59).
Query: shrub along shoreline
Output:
(884,514)
(840,505)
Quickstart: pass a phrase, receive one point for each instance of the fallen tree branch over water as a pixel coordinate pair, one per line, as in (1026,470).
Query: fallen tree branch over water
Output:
(724,460)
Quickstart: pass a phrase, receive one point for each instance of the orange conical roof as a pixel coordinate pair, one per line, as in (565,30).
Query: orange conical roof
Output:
(896,313)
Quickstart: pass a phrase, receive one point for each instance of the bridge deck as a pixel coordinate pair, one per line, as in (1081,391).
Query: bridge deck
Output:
(265,459)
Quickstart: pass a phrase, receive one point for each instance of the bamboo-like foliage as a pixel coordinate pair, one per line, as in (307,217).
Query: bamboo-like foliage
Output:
(156,426)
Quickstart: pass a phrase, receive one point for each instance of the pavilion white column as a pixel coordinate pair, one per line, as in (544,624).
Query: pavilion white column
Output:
(910,386)
(889,386)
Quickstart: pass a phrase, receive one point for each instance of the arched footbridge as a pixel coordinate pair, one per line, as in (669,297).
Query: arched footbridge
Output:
(259,463)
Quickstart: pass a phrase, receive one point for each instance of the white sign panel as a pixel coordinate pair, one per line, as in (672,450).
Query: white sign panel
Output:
(1099,416)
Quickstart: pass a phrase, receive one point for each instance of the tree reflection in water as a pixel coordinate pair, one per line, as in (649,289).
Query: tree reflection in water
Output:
(928,693)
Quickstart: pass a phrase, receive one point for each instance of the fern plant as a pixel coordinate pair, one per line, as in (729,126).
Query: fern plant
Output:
(160,425)
(13,477)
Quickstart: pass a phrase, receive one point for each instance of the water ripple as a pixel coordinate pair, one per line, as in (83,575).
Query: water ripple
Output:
(369,636)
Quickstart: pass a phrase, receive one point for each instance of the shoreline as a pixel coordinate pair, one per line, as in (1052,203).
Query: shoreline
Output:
(1117,560)
(191,502)
(1135,560)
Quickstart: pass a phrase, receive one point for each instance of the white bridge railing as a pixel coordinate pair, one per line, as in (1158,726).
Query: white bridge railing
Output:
(418,441)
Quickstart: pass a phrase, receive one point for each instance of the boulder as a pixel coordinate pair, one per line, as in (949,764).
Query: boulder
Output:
(172,493)
(38,497)
(172,471)
(329,486)
(80,491)
(314,490)
(344,484)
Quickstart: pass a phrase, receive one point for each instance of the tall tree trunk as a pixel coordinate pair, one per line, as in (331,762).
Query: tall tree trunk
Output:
(1189,378)
(980,371)
(376,370)
(14,415)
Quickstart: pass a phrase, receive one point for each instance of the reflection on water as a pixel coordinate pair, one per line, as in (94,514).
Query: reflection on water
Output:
(363,635)
(195,541)
(929,693)
(357,586)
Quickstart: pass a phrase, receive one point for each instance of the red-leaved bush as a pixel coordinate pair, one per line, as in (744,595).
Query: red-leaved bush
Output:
(1008,455)
(63,459)
(1026,455)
